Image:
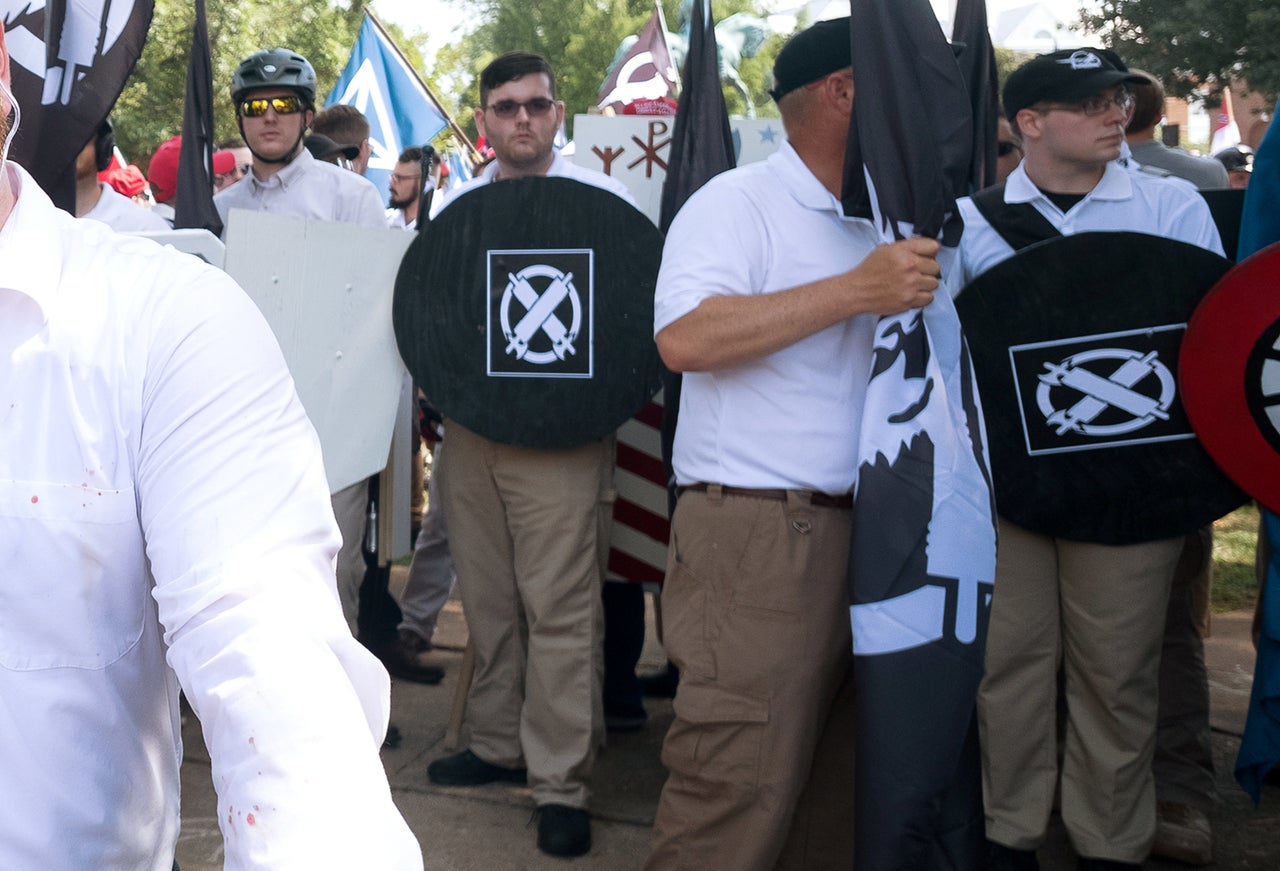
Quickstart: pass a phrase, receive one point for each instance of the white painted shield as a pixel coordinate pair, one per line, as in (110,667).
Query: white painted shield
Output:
(326,289)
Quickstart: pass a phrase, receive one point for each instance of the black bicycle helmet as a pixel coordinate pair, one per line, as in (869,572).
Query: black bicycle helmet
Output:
(275,68)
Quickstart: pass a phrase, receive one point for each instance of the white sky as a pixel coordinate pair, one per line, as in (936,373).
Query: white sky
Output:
(439,18)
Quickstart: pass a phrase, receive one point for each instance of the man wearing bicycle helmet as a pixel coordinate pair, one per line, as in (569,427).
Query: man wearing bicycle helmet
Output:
(274,92)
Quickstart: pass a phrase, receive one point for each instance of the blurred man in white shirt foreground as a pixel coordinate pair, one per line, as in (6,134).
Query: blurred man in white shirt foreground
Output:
(164,522)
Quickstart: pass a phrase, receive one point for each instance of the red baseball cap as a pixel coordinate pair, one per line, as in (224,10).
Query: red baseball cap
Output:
(223,162)
(163,169)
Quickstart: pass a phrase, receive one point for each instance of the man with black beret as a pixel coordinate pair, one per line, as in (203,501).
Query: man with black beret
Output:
(1097,609)
(767,300)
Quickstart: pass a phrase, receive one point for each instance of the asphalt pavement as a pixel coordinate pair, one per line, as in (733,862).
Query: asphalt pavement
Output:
(491,827)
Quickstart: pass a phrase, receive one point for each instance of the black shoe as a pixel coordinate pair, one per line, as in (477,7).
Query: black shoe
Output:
(625,718)
(1086,864)
(563,830)
(1002,858)
(402,658)
(468,769)
(661,684)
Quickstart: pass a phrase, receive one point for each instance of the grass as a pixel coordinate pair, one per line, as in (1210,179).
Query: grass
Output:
(1235,585)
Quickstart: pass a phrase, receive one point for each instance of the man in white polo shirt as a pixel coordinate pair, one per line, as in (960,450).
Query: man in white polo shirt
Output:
(1098,609)
(525,531)
(767,301)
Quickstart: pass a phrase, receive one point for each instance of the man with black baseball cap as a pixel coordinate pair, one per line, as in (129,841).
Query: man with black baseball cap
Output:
(773,332)
(1097,608)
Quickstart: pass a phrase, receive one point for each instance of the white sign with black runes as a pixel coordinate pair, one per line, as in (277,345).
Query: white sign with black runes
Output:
(540,313)
(1101,391)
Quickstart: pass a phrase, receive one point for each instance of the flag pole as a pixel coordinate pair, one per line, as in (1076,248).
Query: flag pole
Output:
(662,23)
(457,131)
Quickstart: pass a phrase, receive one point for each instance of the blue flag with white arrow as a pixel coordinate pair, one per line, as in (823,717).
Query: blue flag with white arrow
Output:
(379,82)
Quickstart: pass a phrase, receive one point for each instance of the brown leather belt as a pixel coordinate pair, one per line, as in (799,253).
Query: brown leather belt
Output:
(820,500)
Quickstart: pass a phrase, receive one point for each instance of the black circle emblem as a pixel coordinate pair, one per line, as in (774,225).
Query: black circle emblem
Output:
(1075,344)
(525,311)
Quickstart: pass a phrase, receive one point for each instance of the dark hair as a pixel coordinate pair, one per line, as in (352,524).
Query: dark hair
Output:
(1148,102)
(413,155)
(511,66)
(345,125)
(104,147)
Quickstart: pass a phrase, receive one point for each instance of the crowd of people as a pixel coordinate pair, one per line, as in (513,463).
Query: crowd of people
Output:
(180,487)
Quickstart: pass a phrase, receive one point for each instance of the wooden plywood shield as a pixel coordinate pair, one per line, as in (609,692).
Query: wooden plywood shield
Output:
(1075,345)
(525,312)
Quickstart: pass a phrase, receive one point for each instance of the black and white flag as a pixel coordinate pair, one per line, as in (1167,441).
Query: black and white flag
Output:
(69,62)
(923,556)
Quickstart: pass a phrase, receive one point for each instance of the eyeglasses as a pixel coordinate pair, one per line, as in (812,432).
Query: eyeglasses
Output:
(1095,105)
(395,176)
(508,109)
(1004,149)
(256,108)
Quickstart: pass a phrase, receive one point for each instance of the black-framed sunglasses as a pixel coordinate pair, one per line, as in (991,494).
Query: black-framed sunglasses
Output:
(257,107)
(507,109)
(1004,149)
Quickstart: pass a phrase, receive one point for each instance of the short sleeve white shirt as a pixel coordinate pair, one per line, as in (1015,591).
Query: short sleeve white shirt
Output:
(1121,202)
(560,167)
(790,419)
(165,521)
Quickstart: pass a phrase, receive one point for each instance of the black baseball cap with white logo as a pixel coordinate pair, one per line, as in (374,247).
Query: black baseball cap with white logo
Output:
(1065,76)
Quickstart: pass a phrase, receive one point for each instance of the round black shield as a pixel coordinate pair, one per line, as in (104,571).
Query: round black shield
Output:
(525,311)
(1075,345)
(1230,374)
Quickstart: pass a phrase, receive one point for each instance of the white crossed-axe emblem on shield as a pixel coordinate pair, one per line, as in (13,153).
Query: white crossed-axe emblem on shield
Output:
(1100,393)
(540,314)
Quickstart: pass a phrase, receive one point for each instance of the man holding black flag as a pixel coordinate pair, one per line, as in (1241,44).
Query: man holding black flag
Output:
(773,332)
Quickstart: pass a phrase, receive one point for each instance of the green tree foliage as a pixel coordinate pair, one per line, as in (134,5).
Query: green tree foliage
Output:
(1187,43)
(149,110)
(1008,60)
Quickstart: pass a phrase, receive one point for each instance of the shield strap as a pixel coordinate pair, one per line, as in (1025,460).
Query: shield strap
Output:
(1019,224)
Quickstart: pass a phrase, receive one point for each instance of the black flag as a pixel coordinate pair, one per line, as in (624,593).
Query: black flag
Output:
(69,64)
(912,126)
(194,207)
(701,147)
(977,59)
(922,560)
(701,141)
